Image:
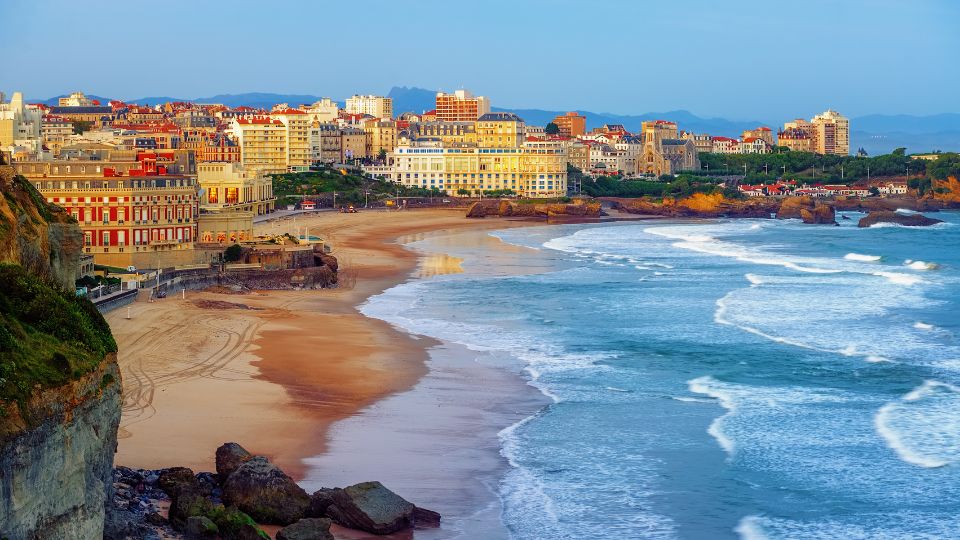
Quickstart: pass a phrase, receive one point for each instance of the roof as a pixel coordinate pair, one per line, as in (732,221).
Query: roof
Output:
(674,142)
(288,111)
(81,110)
(499,117)
(259,120)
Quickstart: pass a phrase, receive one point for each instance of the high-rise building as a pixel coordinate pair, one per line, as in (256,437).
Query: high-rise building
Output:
(263,143)
(461,106)
(571,124)
(831,133)
(375,106)
(18,122)
(297,137)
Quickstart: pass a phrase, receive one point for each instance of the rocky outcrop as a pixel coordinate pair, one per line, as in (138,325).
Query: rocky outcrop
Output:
(576,209)
(947,191)
(266,493)
(699,205)
(907,220)
(807,209)
(869,204)
(59,381)
(371,507)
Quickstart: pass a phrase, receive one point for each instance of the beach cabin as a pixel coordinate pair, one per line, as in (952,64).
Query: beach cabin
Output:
(308,205)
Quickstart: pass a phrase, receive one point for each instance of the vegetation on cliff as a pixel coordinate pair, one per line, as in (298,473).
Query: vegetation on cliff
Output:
(684,185)
(48,336)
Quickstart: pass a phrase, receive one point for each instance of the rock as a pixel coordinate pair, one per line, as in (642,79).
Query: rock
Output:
(266,493)
(306,529)
(907,220)
(230,456)
(821,214)
(187,503)
(200,527)
(425,518)
(370,507)
(173,481)
(154,518)
(791,206)
(319,501)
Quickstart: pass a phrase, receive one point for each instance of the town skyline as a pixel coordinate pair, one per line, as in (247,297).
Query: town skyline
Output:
(529,65)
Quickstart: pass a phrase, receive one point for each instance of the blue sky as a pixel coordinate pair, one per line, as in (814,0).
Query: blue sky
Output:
(734,59)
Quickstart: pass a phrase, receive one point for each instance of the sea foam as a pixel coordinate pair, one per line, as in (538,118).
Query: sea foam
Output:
(708,386)
(861,258)
(923,427)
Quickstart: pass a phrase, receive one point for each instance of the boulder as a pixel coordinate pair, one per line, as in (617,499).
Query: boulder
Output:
(319,501)
(907,220)
(230,456)
(791,206)
(306,529)
(187,503)
(370,507)
(200,527)
(266,493)
(173,481)
(821,214)
(425,518)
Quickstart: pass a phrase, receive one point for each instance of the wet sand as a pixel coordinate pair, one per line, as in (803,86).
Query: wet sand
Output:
(276,376)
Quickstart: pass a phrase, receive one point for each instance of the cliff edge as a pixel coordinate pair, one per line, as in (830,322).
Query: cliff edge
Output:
(59,380)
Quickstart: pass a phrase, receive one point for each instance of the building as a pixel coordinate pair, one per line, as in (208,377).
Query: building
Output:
(376,106)
(726,145)
(668,156)
(325,110)
(263,145)
(762,133)
(217,147)
(571,124)
(146,218)
(55,131)
(353,144)
(229,199)
(76,99)
(798,138)
(754,145)
(831,133)
(296,125)
(19,123)
(500,130)
(578,154)
(461,106)
(381,137)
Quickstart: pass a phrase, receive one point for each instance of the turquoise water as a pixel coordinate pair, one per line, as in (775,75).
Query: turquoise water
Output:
(725,379)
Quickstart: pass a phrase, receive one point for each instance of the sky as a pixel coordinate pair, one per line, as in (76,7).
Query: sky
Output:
(739,60)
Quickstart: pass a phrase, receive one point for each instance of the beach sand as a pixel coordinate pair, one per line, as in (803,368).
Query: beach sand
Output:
(274,370)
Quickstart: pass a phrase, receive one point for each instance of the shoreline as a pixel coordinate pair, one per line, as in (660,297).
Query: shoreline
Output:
(276,371)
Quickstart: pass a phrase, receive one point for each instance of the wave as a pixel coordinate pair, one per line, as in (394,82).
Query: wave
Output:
(885,526)
(920,265)
(906,211)
(861,258)
(923,326)
(754,279)
(706,385)
(923,427)
(899,278)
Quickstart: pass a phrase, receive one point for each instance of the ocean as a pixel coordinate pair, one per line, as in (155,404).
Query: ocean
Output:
(715,379)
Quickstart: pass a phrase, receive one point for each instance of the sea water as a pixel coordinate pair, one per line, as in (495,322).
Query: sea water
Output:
(719,379)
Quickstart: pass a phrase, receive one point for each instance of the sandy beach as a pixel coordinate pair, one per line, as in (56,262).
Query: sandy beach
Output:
(273,370)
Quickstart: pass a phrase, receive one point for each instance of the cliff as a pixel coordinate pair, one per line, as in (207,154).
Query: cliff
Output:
(59,381)
(947,191)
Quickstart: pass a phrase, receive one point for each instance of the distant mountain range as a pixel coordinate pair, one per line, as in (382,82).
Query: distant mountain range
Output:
(876,133)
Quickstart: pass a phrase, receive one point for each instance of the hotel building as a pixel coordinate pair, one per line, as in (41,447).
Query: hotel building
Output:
(461,106)
(263,145)
(296,138)
(229,199)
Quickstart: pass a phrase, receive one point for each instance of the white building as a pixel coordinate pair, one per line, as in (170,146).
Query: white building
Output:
(325,110)
(375,106)
(726,145)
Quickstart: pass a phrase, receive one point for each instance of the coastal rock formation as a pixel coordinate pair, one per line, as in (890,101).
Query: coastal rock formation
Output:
(807,209)
(947,191)
(40,237)
(870,204)
(306,529)
(371,507)
(699,205)
(266,493)
(59,381)
(907,220)
(578,208)
(229,457)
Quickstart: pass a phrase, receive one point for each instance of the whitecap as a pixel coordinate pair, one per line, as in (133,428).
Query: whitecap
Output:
(749,529)
(615,389)
(906,211)
(861,258)
(923,427)
(923,326)
(707,385)
(875,359)
(754,279)
(899,278)
(920,265)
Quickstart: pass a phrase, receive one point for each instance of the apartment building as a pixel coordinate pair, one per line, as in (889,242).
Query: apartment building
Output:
(376,106)
(296,125)
(461,106)
(571,124)
(262,141)
(500,130)
(831,133)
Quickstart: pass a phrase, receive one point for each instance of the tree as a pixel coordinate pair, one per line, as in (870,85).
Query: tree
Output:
(382,155)
(233,253)
(80,126)
(875,191)
(463,192)
(551,129)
